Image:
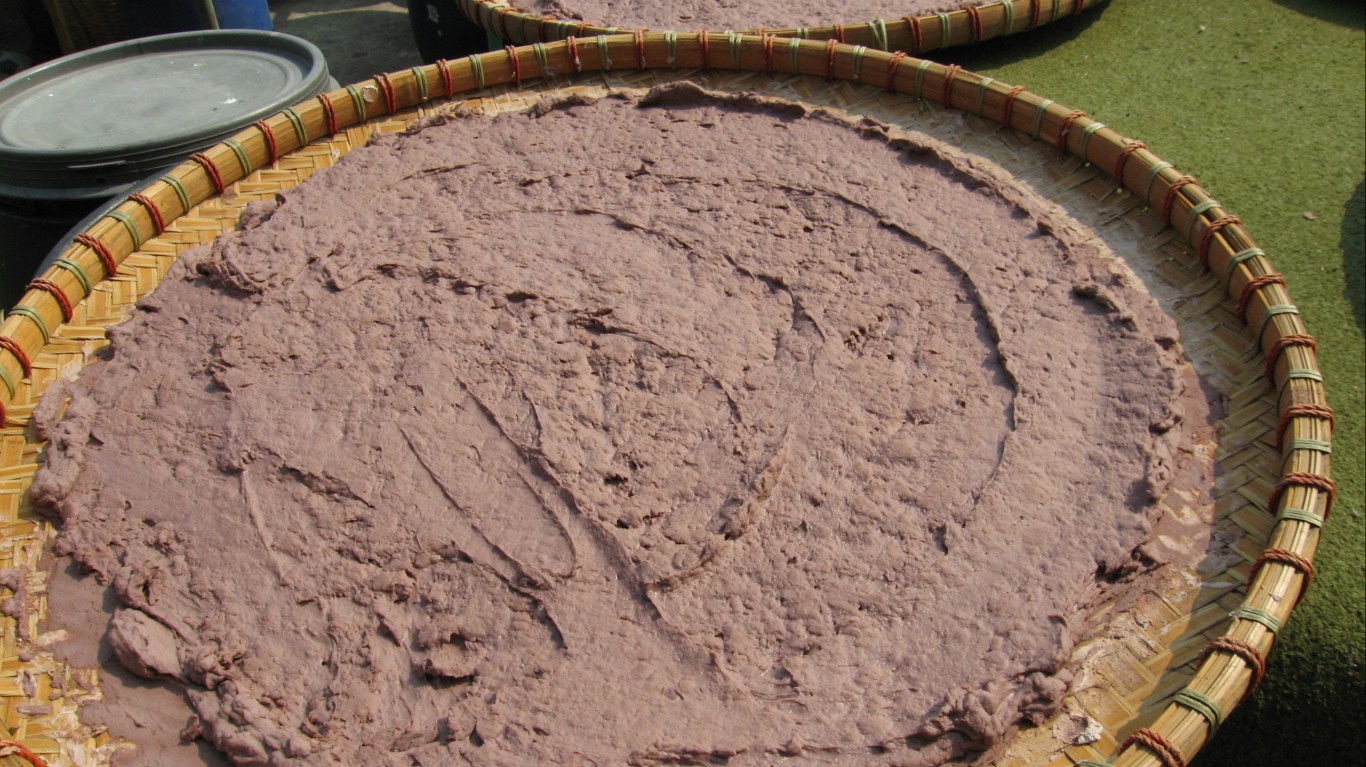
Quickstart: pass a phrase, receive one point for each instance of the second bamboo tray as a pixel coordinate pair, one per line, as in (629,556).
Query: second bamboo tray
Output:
(974,22)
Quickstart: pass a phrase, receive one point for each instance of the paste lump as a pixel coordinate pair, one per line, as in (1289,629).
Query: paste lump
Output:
(733,14)
(683,429)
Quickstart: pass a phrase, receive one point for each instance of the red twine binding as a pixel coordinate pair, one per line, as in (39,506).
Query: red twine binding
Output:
(917,37)
(1321,412)
(1170,197)
(1207,238)
(18,749)
(513,62)
(704,45)
(975,23)
(1283,343)
(209,168)
(1009,111)
(269,135)
(13,347)
(329,112)
(152,210)
(573,48)
(640,49)
(1250,289)
(1079,7)
(1281,556)
(830,59)
(56,291)
(1035,13)
(443,70)
(106,258)
(946,95)
(3,421)
(1301,479)
(1154,741)
(386,89)
(1244,650)
(1066,128)
(1123,159)
(892,64)
(768,52)
(839,33)
(502,24)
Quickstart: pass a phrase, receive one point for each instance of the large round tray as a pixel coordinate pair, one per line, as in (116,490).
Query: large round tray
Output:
(1160,675)
(972,23)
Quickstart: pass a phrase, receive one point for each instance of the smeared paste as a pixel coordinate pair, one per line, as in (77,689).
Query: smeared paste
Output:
(686,430)
(733,14)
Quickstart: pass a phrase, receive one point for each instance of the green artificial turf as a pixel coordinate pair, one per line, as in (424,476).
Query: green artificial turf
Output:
(1262,101)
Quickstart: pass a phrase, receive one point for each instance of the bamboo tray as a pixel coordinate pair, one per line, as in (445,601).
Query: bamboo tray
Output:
(974,22)
(1161,675)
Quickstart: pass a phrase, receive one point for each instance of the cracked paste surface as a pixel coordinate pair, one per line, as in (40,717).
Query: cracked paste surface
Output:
(733,14)
(741,435)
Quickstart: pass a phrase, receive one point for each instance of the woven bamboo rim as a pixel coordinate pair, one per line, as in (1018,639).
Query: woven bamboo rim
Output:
(1282,436)
(914,34)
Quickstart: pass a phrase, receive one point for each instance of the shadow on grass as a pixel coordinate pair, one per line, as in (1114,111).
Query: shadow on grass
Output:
(1347,13)
(1021,45)
(1353,244)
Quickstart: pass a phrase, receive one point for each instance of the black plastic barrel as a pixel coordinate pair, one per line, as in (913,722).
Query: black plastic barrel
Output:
(80,130)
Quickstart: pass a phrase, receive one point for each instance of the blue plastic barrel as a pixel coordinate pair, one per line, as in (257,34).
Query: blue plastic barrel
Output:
(243,14)
(144,18)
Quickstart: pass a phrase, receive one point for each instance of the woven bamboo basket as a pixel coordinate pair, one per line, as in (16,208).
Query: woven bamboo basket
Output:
(1160,677)
(82,24)
(972,23)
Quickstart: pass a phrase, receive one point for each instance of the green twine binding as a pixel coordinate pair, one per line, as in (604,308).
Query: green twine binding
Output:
(1235,260)
(671,48)
(241,152)
(1090,762)
(803,32)
(982,87)
(920,78)
(37,318)
(1272,311)
(857,55)
(944,30)
(1301,515)
(542,58)
(1316,445)
(1201,704)
(794,47)
(7,381)
(1008,8)
(420,74)
(477,70)
(603,53)
(1301,374)
(180,192)
(1057,9)
(878,29)
(1086,135)
(300,129)
(357,101)
(1195,214)
(76,271)
(129,224)
(1153,173)
(1248,613)
(736,41)
(1038,116)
